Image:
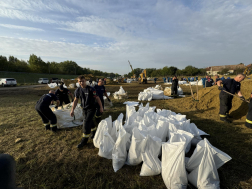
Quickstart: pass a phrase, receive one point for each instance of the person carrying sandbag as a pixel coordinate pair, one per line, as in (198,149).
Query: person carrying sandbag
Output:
(62,94)
(88,97)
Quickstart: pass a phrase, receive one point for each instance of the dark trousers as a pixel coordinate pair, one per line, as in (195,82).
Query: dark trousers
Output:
(249,116)
(88,122)
(7,171)
(225,104)
(174,90)
(98,113)
(46,114)
(65,100)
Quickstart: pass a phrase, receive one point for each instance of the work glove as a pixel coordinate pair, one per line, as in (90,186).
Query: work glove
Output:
(56,107)
(108,99)
(220,87)
(242,98)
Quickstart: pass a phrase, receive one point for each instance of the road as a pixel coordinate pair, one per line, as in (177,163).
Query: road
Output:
(21,87)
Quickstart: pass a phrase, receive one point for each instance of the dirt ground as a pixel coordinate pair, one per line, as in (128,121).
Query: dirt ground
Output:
(46,160)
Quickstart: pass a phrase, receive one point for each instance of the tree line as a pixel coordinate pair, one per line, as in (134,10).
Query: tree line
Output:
(36,65)
(169,71)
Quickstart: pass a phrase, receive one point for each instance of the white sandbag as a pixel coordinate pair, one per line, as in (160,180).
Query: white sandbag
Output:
(64,120)
(121,90)
(129,128)
(147,121)
(145,96)
(142,110)
(102,127)
(137,147)
(109,123)
(173,165)
(116,125)
(151,163)
(204,164)
(119,153)
(52,85)
(162,130)
(152,131)
(182,82)
(180,91)
(182,136)
(220,157)
(106,146)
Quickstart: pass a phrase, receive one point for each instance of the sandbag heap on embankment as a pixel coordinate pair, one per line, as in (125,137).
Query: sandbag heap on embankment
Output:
(209,99)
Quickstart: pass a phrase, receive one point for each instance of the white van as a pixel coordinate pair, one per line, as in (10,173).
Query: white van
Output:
(8,82)
(43,80)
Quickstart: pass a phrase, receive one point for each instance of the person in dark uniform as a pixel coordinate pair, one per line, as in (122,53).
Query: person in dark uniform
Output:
(62,94)
(42,107)
(209,81)
(88,97)
(174,87)
(100,91)
(232,86)
(249,115)
(217,78)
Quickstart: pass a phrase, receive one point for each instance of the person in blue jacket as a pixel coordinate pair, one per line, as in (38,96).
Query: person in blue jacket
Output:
(155,80)
(189,79)
(196,78)
(164,79)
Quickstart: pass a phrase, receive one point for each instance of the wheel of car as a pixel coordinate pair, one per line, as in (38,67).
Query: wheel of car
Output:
(2,85)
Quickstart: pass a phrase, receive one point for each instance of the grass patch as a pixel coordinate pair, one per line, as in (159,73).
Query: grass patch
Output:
(46,160)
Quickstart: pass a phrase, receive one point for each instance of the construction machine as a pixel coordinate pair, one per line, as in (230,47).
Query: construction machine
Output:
(143,77)
(133,75)
(247,70)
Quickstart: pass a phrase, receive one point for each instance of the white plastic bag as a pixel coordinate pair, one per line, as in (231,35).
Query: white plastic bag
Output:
(173,165)
(162,130)
(137,147)
(119,153)
(106,146)
(102,127)
(204,164)
(182,136)
(151,163)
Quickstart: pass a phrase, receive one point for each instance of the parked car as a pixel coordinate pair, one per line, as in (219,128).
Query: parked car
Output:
(8,82)
(43,80)
(55,80)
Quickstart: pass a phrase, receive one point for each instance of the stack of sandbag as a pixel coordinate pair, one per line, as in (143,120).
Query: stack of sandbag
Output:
(121,94)
(149,134)
(167,91)
(152,94)
(158,87)
(182,82)
(53,85)
(72,85)
(130,80)
(64,120)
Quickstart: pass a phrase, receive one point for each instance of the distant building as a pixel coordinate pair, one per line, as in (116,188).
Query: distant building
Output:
(213,70)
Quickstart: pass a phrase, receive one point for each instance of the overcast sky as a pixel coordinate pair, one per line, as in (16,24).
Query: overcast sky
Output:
(105,34)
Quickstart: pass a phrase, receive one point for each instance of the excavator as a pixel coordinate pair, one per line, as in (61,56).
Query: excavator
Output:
(143,77)
(133,75)
(247,70)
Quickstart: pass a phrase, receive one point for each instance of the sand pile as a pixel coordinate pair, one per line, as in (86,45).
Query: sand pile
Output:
(209,100)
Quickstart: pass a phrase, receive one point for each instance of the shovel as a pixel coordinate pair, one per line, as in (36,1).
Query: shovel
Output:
(192,92)
(236,96)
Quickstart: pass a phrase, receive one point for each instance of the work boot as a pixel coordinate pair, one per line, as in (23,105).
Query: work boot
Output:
(225,120)
(47,127)
(92,134)
(83,142)
(248,125)
(54,128)
(229,116)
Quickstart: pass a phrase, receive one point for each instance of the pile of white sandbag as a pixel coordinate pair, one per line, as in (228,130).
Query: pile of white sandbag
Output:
(152,94)
(158,87)
(88,83)
(53,85)
(121,94)
(179,82)
(64,120)
(167,91)
(148,135)
(130,80)
(195,83)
